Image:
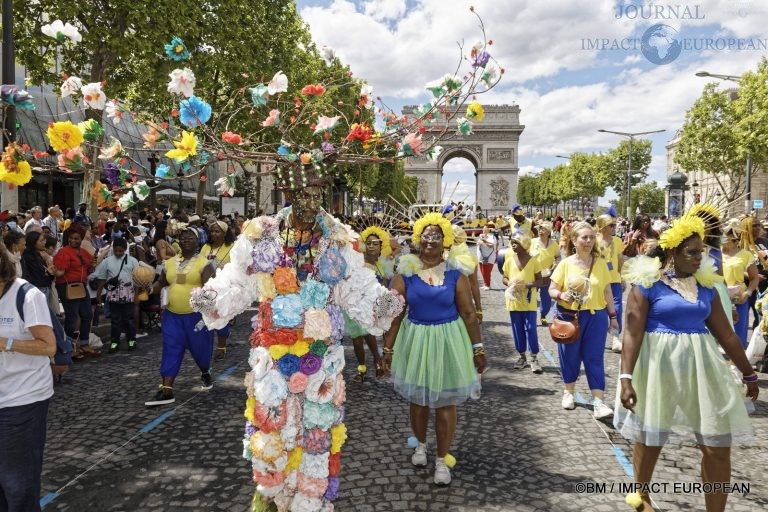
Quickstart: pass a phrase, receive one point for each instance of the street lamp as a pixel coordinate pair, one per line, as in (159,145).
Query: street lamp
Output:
(631,137)
(737,79)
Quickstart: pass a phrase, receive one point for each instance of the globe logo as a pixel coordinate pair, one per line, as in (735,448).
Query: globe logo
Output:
(660,44)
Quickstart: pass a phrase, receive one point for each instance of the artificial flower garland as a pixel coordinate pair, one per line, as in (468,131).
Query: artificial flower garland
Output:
(433,219)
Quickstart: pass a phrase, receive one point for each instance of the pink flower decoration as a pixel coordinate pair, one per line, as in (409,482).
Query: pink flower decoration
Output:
(298,383)
(232,138)
(272,119)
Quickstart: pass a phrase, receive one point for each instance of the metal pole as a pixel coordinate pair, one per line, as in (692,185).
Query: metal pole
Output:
(748,199)
(629,181)
(10,197)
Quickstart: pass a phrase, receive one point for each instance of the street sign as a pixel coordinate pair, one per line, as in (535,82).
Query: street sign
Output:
(757,204)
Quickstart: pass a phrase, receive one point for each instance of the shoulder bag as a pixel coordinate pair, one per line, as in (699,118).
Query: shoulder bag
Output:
(567,331)
(76,291)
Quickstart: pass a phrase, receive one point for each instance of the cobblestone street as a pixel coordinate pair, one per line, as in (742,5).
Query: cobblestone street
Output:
(517,449)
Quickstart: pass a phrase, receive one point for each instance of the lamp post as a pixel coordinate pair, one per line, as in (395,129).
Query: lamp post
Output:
(631,137)
(696,196)
(10,197)
(737,79)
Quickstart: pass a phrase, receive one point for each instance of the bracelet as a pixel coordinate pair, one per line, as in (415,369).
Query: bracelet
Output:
(388,350)
(750,378)
(612,315)
(559,296)
(623,376)
(477,345)
(8,344)
(479,352)
(478,311)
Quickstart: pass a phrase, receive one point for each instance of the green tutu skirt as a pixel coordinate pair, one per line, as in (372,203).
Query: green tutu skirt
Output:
(684,386)
(352,328)
(433,364)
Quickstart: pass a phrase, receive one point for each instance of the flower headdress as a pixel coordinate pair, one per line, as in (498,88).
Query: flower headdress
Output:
(433,219)
(681,229)
(381,234)
(706,211)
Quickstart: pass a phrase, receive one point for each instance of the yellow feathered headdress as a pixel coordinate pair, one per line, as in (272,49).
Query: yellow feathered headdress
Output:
(681,229)
(433,219)
(386,248)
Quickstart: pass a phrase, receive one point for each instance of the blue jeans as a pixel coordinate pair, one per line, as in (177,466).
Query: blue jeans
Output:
(22,440)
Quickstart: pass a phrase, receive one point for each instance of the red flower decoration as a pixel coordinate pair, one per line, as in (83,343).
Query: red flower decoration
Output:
(313,90)
(334,464)
(286,336)
(359,132)
(232,138)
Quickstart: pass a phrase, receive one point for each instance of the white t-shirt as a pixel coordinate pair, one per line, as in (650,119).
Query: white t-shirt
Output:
(23,379)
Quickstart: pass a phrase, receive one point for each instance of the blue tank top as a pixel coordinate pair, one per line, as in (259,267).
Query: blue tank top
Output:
(669,312)
(432,305)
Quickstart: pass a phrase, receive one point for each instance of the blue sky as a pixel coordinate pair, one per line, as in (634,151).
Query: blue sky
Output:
(565,90)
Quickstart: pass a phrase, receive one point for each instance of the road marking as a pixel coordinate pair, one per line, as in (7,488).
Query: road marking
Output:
(154,423)
(48,498)
(226,373)
(624,462)
(548,356)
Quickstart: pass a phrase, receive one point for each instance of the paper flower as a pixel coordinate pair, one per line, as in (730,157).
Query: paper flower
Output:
(314,294)
(475,111)
(91,130)
(434,152)
(152,136)
(298,382)
(332,491)
(226,185)
(112,174)
(182,82)
(310,363)
(185,148)
(11,95)
(176,50)
(327,54)
(100,193)
(162,171)
(112,151)
(70,86)
(366,97)
(464,126)
(231,137)
(113,111)
(288,365)
(71,160)
(60,31)
(64,135)
(272,119)
(259,95)
(141,189)
(93,96)
(317,324)
(20,176)
(490,73)
(287,310)
(279,83)
(125,202)
(339,437)
(357,131)
(194,112)
(326,124)
(313,90)
(481,59)
(411,145)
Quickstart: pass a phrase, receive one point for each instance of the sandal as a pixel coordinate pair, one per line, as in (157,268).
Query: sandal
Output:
(381,372)
(221,352)
(360,377)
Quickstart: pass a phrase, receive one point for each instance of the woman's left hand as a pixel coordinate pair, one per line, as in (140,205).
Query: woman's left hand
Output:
(614,324)
(753,390)
(480,363)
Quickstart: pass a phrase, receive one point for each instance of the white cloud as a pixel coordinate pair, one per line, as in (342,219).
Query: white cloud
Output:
(385,9)
(527,170)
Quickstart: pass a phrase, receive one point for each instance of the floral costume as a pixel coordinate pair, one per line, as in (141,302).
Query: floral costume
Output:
(295,409)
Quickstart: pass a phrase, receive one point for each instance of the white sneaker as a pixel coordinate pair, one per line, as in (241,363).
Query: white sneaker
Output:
(600,410)
(616,344)
(569,402)
(485,288)
(442,473)
(535,366)
(419,457)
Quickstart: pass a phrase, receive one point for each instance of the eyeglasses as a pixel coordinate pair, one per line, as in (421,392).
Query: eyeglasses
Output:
(431,238)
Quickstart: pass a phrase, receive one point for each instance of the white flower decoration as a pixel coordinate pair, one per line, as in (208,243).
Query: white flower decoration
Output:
(59,30)
(182,82)
(70,86)
(326,124)
(113,111)
(279,83)
(93,96)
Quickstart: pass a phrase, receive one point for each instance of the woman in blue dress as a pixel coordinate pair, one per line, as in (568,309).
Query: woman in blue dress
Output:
(673,377)
(435,351)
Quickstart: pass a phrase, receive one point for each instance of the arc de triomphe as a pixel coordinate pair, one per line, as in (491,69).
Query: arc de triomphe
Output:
(492,148)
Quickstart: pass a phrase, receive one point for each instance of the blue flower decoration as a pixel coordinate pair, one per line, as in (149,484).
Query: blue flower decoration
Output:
(176,50)
(162,171)
(314,294)
(288,364)
(283,151)
(259,95)
(194,112)
(287,310)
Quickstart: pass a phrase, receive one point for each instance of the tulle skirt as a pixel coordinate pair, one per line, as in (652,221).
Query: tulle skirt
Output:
(684,385)
(433,364)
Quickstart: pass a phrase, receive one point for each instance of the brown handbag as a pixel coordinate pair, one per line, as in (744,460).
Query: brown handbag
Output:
(75,291)
(567,331)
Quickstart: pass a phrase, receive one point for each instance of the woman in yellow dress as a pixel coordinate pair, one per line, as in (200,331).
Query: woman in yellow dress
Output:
(736,263)
(217,252)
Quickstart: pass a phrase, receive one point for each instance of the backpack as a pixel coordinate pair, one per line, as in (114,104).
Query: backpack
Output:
(64,344)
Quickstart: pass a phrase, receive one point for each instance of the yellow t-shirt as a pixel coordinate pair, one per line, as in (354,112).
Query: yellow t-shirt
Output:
(220,255)
(546,256)
(611,255)
(523,227)
(599,279)
(735,266)
(179,293)
(527,301)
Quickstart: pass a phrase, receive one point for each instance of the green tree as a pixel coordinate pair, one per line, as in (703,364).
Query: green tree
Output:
(649,197)
(751,111)
(711,143)
(614,165)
